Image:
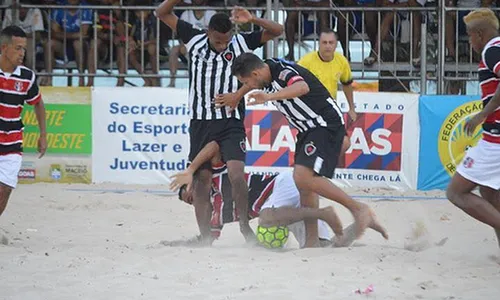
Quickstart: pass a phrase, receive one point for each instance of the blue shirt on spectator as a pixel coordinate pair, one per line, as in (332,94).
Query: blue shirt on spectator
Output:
(72,23)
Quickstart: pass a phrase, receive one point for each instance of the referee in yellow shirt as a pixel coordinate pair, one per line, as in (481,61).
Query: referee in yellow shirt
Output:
(330,68)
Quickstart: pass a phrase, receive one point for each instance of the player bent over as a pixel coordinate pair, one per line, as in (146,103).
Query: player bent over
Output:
(273,198)
(481,164)
(308,106)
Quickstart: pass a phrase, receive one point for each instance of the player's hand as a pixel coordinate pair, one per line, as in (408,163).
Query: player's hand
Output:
(239,15)
(471,124)
(352,114)
(42,145)
(257,97)
(230,100)
(180,179)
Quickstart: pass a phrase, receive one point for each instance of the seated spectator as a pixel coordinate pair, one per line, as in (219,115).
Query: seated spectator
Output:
(70,32)
(143,41)
(200,20)
(292,21)
(386,24)
(31,21)
(356,24)
(109,25)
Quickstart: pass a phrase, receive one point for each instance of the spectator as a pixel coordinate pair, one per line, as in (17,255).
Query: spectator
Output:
(200,20)
(31,21)
(110,24)
(70,29)
(456,16)
(356,24)
(385,27)
(292,21)
(143,41)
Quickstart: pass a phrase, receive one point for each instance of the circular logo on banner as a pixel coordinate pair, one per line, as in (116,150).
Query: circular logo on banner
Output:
(453,142)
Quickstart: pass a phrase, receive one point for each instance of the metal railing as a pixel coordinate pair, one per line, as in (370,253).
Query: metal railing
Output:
(401,53)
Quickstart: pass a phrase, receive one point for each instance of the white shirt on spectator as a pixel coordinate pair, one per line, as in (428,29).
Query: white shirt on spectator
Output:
(469,3)
(190,17)
(33,21)
(421,2)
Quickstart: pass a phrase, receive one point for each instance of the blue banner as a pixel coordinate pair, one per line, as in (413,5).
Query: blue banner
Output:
(443,141)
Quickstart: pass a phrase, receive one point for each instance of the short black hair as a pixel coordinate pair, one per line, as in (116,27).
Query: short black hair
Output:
(11,31)
(245,64)
(328,31)
(220,22)
(181,189)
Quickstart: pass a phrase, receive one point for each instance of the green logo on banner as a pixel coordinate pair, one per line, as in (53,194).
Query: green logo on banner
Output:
(69,129)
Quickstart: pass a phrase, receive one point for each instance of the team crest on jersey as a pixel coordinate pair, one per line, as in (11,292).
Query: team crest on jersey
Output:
(228,56)
(309,149)
(283,74)
(18,86)
(468,162)
(243,146)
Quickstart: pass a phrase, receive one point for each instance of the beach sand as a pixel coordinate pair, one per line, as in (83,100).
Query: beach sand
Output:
(104,242)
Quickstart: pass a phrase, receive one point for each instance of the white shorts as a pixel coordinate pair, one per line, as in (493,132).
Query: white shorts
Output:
(285,193)
(10,165)
(481,164)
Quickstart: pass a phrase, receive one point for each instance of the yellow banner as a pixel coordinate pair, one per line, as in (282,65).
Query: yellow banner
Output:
(66,95)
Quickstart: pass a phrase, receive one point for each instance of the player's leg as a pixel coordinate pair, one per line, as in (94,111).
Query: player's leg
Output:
(459,192)
(231,138)
(480,166)
(5,192)
(493,197)
(284,216)
(199,136)
(316,154)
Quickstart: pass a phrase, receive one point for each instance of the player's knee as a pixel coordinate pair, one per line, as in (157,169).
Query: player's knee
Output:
(454,196)
(302,178)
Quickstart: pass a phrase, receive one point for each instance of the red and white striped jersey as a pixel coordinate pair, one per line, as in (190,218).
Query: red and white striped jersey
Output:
(489,78)
(16,89)
(224,209)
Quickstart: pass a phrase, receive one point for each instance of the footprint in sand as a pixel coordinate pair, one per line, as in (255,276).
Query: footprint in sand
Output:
(420,238)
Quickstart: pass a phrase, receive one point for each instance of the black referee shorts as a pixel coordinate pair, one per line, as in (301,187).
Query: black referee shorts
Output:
(228,133)
(319,149)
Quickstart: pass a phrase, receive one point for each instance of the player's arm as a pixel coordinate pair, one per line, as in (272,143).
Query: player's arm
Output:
(346,80)
(209,152)
(270,29)
(34,97)
(293,86)
(492,62)
(165,12)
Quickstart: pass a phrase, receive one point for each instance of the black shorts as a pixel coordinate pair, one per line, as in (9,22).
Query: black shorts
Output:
(319,149)
(228,133)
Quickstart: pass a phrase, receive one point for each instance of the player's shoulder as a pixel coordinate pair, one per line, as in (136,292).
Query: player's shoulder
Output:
(26,73)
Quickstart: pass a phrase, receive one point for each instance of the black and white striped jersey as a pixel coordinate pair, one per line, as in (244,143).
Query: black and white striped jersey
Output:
(317,108)
(210,71)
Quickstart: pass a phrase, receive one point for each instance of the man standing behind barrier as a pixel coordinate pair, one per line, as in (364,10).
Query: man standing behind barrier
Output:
(213,96)
(481,164)
(330,68)
(18,87)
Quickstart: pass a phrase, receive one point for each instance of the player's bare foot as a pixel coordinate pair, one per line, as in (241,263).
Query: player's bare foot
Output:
(375,225)
(248,233)
(331,217)
(363,217)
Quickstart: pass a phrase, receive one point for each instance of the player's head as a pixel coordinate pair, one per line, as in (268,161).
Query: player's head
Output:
(251,71)
(482,26)
(185,195)
(327,43)
(13,45)
(220,31)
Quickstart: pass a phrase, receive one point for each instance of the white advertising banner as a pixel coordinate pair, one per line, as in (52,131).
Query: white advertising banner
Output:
(384,141)
(140,135)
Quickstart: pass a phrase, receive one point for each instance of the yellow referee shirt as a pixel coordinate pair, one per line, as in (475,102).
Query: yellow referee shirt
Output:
(328,72)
